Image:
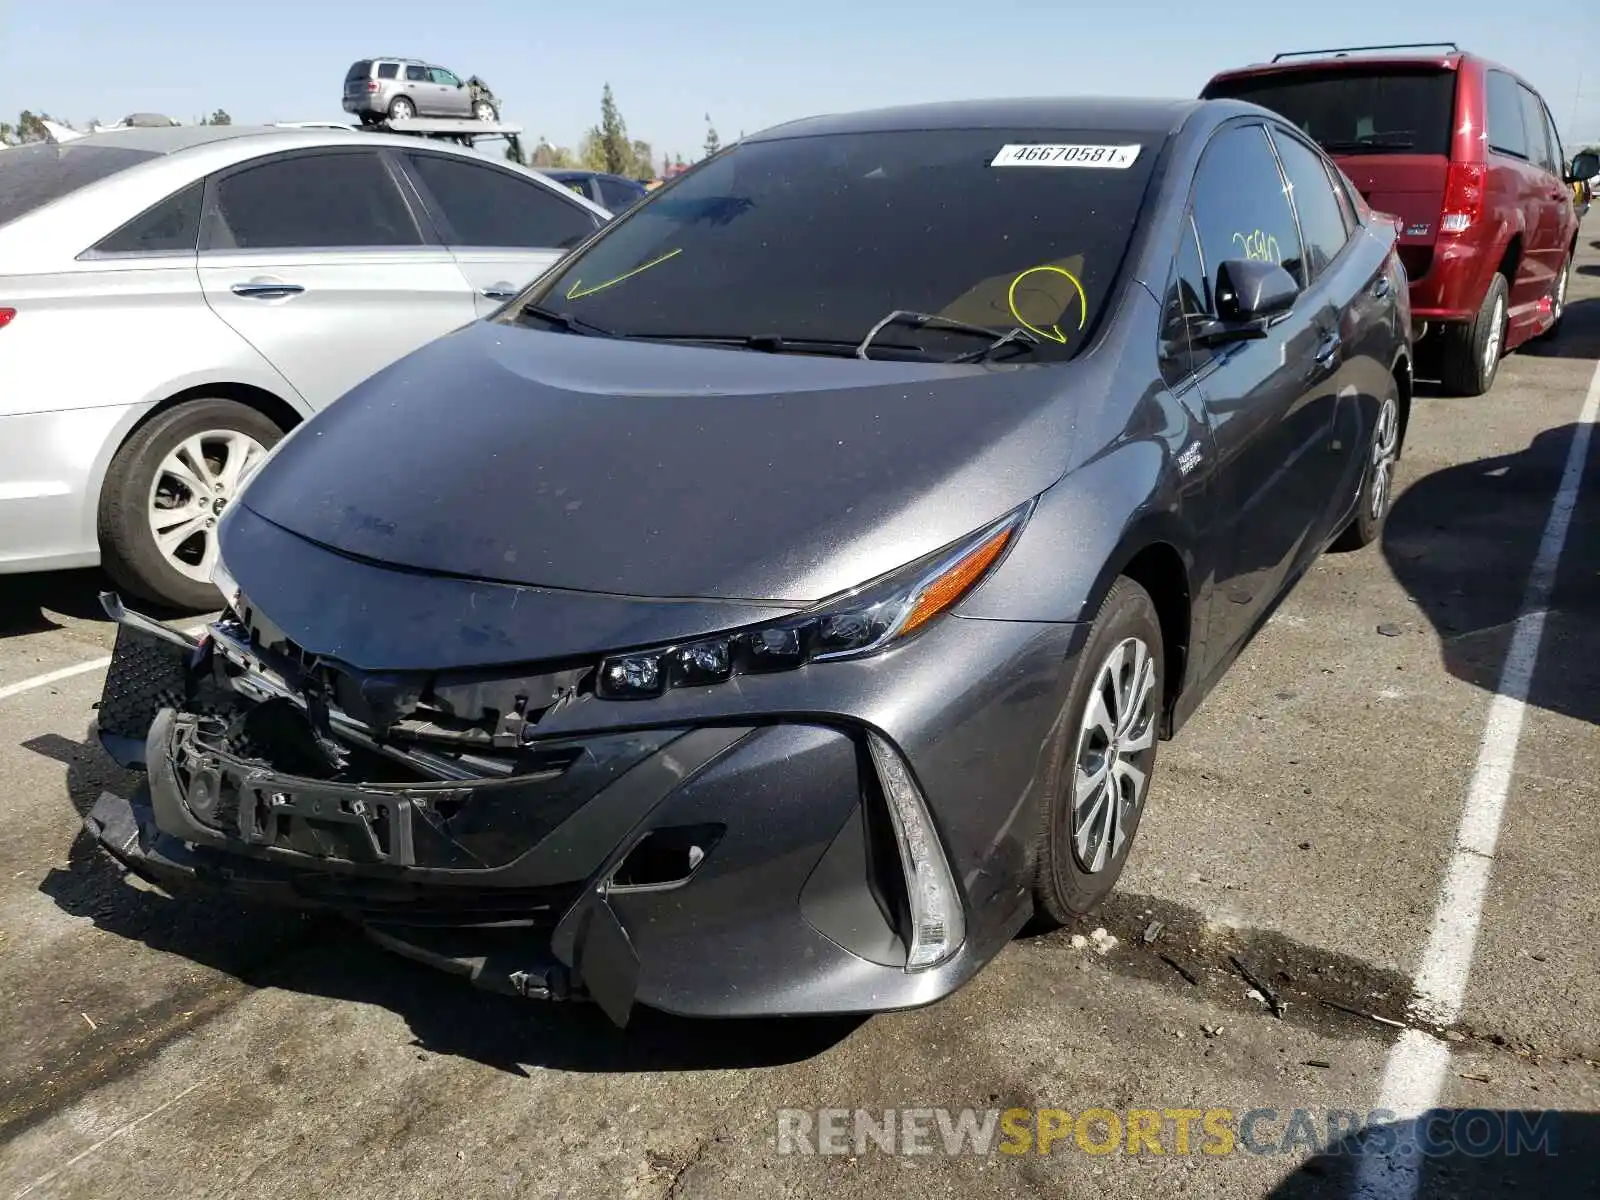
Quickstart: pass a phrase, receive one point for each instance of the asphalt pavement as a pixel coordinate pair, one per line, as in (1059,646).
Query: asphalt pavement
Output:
(1286,932)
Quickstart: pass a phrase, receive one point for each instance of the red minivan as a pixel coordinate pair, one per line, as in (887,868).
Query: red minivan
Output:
(1465,153)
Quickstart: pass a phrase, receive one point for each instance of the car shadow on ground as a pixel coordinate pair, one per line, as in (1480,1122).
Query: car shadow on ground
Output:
(1580,330)
(27,601)
(31,603)
(1462,1153)
(1462,542)
(329,957)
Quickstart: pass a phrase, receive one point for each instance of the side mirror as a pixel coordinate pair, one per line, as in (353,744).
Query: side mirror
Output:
(1250,292)
(1585,166)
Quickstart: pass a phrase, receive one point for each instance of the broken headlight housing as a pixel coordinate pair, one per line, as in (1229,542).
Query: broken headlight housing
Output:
(864,621)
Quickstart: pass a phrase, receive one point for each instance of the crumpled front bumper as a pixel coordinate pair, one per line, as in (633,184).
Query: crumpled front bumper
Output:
(708,868)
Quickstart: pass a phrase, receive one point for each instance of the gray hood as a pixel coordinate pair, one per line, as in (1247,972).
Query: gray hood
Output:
(640,469)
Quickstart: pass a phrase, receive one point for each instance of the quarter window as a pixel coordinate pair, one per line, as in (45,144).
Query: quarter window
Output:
(1507,134)
(486,206)
(170,227)
(1241,207)
(388,70)
(1322,223)
(311,201)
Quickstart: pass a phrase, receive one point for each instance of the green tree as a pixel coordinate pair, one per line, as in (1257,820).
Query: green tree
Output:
(220,117)
(8,133)
(643,164)
(713,142)
(614,145)
(30,127)
(547,155)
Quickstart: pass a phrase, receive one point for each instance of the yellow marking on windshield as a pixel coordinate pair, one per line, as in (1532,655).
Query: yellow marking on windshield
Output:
(1259,246)
(1054,332)
(578,292)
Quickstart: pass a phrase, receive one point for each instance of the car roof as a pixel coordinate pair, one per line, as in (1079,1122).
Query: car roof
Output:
(1440,60)
(1111,115)
(168,139)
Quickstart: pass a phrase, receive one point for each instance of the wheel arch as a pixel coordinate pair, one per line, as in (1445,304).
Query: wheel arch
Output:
(1153,561)
(269,404)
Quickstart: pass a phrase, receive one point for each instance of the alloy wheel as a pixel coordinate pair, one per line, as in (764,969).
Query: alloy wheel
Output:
(1559,301)
(484,111)
(195,482)
(1385,447)
(1491,344)
(402,110)
(1116,742)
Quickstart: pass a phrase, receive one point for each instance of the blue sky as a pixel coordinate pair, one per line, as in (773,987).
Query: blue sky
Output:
(748,64)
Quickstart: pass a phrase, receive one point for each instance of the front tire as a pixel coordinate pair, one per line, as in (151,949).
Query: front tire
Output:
(165,491)
(1377,480)
(486,112)
(1104,758)
(1471,353)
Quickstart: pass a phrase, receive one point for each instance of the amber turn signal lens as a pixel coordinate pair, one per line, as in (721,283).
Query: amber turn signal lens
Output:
(953,584)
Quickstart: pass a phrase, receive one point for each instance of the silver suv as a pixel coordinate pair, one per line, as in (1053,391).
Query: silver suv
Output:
(397,89)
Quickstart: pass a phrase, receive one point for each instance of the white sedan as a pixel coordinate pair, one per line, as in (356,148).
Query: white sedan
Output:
(173,300)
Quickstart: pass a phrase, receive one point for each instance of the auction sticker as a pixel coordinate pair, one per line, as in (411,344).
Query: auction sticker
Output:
(1117,158)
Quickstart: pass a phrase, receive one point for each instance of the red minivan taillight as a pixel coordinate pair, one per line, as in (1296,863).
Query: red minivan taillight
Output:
(5,316)
(1463,196)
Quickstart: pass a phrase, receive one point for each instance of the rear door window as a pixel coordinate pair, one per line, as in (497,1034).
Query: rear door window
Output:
(1241,208)
(1357,111)
(310,201)
(1540,150)
(33,176)
(170,227)
(1322,223)
(1507,132)
(485,206)
(417,74)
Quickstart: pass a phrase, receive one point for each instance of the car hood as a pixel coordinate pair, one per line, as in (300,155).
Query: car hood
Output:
(667,471)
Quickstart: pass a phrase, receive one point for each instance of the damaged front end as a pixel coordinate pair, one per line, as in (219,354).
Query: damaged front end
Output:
(724,857)
(412,803)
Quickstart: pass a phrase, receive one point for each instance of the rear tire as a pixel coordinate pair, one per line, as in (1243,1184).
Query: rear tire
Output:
(1471,353)
(401,109)
(141,483)
(1558,300)
(1376,497)
(1105,756)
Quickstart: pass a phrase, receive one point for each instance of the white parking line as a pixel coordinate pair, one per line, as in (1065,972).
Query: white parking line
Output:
(1413,1078)
(103,1142)
(83,668)
(49,677)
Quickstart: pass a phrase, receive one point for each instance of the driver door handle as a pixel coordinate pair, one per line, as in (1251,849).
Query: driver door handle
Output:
(263,289)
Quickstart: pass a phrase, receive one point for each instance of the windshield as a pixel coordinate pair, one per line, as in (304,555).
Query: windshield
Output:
(1385,110)
(805,244)
(33,176)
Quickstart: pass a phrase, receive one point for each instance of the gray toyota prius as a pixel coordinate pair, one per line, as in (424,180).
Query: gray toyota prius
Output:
(782,601)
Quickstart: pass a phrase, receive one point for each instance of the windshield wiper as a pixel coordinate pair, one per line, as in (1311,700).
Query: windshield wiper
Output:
(565,321)
(1016,335)
(776,343)
(1375,141)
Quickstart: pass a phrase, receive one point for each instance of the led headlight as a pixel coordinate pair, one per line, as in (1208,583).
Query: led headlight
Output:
(864,621)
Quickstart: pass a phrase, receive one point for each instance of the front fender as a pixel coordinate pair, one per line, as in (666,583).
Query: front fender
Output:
(1086,529)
